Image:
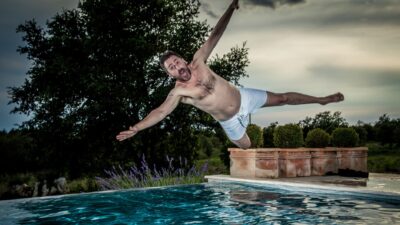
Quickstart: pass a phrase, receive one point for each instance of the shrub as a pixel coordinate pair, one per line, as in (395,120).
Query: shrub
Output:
(215,166)
(9,180)
(345,137)
(317,138)
(85,184)
(288,136)
(144,176)
(256,135)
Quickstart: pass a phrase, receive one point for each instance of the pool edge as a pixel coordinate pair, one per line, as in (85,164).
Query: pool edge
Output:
(360,190)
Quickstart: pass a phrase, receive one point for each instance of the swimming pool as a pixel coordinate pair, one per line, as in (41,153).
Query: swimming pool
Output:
(208,203)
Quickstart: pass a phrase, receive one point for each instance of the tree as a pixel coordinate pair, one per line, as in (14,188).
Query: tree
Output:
(362,133)
(369,129)
(16,151)
(95,71)
(268,133)
(324,120)
(396,133)
(386,130)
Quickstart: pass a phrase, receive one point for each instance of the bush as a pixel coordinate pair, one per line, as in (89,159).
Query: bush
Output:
(317,138)
(9,180)
(85,184)
(215,166)
(256,135)
(144,176)
(288,136)
(345,137)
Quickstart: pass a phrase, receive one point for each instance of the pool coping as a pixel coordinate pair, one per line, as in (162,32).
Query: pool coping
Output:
(16,200)
(288,183)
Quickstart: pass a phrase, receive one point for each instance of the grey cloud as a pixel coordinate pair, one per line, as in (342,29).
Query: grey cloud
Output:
(348,13)
(248,4)
(207,9)
(273,3)
(358,77)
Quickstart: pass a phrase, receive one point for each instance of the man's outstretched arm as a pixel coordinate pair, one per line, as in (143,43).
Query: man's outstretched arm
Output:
(155,116)
(205,50)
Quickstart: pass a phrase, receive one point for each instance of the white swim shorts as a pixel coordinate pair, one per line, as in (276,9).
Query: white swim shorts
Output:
(251,100)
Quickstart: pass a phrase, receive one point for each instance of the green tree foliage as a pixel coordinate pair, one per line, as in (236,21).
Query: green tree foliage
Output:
(396,133)
(368,128)
(268,133)
(345,137)
(387,130)
(208,146)
(317,138)
(324,120)
(95,72)
(288,136)
(255,134)
(16,152)
(362,134)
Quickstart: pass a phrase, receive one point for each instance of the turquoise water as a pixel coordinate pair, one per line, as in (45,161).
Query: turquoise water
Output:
(209,203)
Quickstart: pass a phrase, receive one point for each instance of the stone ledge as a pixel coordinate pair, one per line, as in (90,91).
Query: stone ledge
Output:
(297,162)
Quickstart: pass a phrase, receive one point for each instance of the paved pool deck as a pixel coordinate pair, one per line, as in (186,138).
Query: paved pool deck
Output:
(376,183)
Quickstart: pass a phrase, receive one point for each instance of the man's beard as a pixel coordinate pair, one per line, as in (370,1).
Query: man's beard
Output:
(184,74)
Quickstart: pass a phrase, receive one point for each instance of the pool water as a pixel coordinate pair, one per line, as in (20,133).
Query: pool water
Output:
(208,203)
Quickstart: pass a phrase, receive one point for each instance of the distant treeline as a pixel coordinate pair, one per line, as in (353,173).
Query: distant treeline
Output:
(19,151)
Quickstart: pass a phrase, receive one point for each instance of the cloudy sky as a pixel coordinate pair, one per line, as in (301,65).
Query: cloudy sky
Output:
(316,47)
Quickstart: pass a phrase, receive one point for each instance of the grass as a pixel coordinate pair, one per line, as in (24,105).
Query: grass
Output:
(382,159)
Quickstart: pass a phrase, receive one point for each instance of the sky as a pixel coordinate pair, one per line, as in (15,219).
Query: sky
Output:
(315,47)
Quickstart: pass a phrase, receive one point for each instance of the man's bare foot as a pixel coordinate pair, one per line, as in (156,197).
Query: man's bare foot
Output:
(338,97)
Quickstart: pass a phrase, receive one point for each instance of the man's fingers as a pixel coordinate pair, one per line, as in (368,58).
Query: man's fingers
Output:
(125,134)
(121,138)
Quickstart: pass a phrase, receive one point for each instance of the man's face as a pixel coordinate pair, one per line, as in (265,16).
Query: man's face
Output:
(177,68)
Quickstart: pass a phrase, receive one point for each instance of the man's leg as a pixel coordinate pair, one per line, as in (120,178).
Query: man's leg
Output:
(243,143)
(293,98)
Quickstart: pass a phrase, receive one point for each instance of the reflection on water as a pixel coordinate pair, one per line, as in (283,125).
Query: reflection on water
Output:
(211,203)
(253,197)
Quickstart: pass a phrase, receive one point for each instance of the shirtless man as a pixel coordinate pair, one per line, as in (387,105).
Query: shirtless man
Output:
(197,85)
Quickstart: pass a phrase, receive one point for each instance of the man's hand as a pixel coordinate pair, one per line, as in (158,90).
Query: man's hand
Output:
(235,4)
(128,133)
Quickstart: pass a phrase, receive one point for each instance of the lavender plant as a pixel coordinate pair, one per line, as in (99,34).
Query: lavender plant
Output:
(144,176)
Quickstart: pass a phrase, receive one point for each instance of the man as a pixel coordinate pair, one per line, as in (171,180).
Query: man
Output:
(197,85)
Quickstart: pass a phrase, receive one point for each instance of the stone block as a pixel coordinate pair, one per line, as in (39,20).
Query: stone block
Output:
(323,161)
(353,159)
(267,165)
(294,162)
(242,163)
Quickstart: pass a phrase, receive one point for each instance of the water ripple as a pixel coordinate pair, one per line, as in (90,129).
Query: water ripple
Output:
(211,203)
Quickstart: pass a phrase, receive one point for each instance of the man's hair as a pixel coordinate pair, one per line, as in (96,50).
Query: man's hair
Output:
(165,56)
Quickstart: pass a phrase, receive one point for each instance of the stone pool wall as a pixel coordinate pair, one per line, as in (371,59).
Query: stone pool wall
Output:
(298,162)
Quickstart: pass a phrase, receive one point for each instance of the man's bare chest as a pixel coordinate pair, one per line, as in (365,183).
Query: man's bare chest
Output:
(206,84)
(199,90)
